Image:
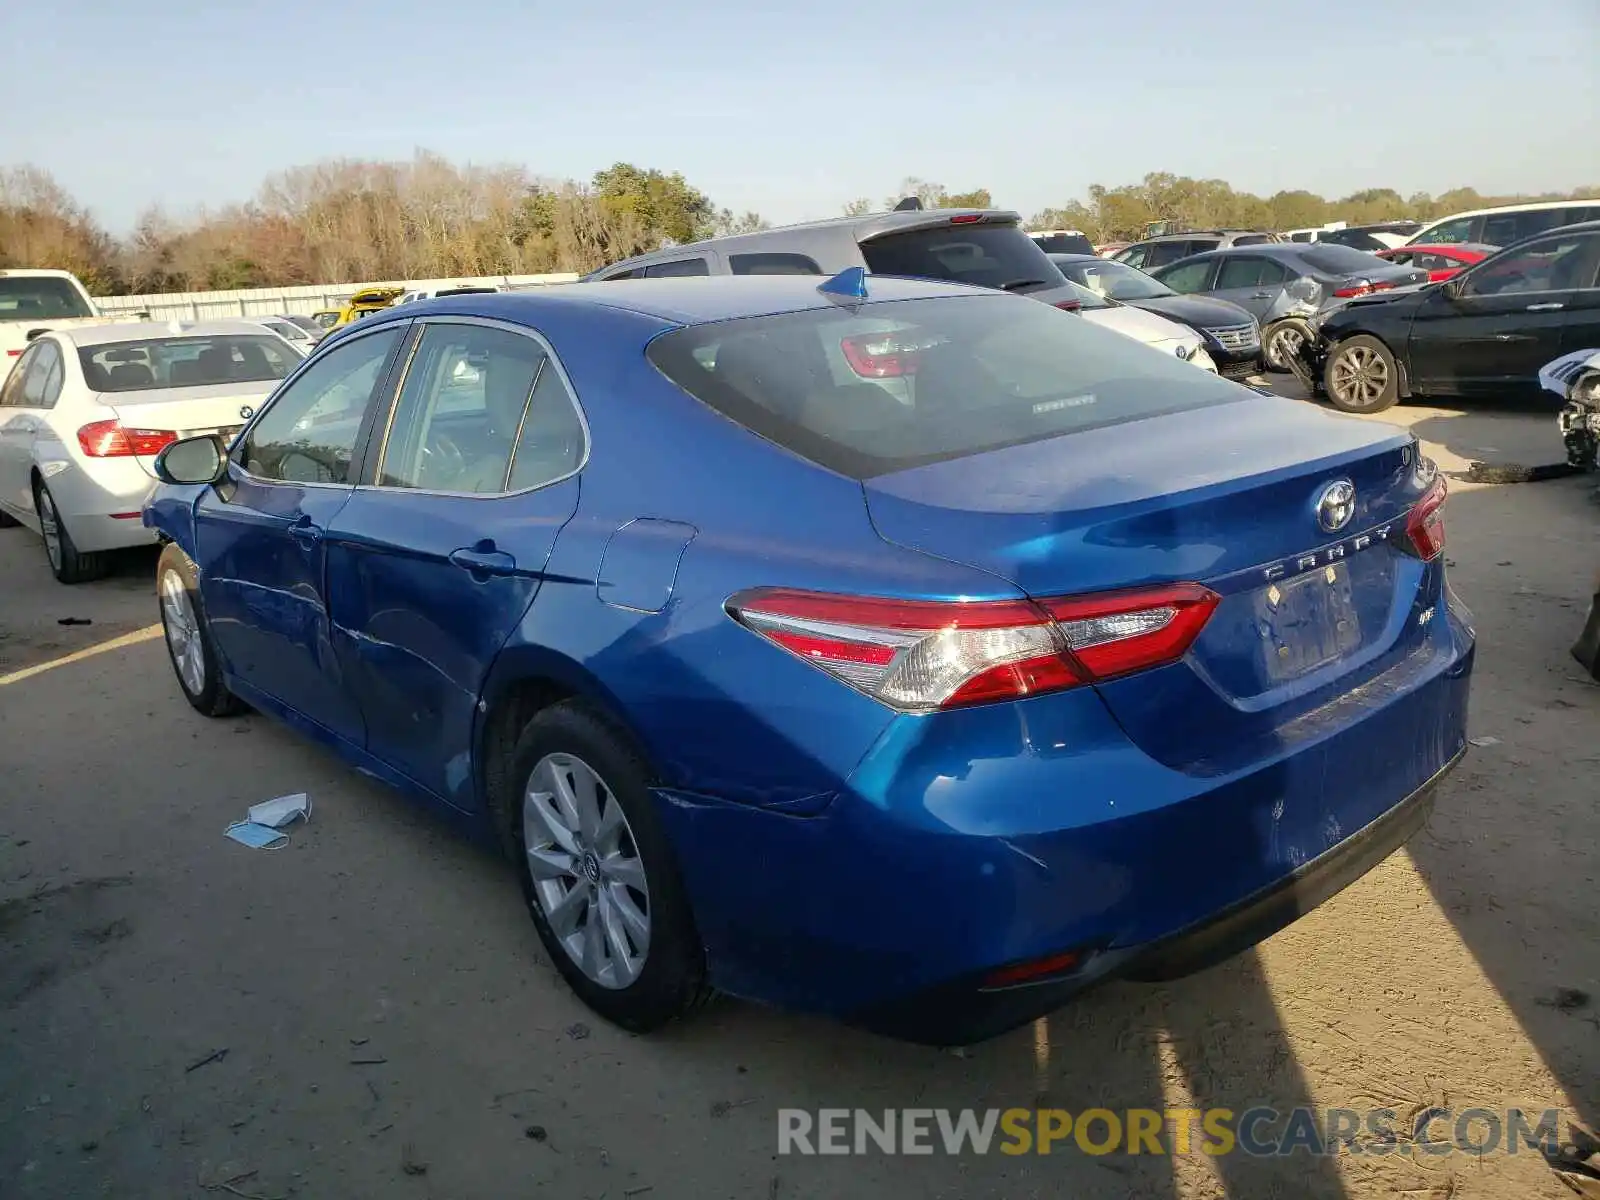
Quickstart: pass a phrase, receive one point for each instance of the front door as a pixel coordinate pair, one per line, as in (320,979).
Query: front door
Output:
(1488,331)
(437,557)
(261,534)
(1252,281)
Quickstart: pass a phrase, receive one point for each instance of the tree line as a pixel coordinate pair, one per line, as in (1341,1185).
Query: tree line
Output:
(349,220)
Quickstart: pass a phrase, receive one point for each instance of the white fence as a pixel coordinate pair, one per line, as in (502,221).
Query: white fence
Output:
(260,302)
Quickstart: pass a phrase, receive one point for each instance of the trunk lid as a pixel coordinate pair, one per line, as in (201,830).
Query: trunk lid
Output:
(1225,496)
(219,409)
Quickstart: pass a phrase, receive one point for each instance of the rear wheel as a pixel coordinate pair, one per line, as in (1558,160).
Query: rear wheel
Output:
(1282,343)
(598,872)
(189,645)
(67,563)
(1361,376)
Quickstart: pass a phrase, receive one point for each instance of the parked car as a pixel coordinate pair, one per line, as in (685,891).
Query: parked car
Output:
(457,289)
(290,331)
(1574,379)
(86,409)
(1587,648)
(923,714)
(1170,248)
(34,299)
(1063,241)
(1150,329)
(1110,249)
(1485,333)
(1374,239)
(983,247)
(1232,335)
(1283,284)
(1440,262)
(1507,224)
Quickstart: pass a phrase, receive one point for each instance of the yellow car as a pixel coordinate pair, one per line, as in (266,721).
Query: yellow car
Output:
(367,300)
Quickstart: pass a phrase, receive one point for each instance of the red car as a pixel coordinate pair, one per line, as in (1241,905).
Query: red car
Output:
(1440,262)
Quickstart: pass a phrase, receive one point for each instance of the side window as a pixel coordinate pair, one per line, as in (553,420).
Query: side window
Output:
(1252,239)
(550,445)
(1161,253)
(53,374)
(677,267)
(1247,271)
(1136,256)
(36,383)
(773,264)
(11,394)
(1557,264)
(308,433)
(1189,277)
(1458,230)
(620,275)
(463,402)
(1405,258)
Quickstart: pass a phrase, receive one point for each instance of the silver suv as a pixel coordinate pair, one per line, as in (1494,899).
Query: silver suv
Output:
(1159,251)
(985,247)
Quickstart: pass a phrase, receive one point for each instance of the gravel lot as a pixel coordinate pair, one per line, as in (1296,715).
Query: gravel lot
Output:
(391,1027)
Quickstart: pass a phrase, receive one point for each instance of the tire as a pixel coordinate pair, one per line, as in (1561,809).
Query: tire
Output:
(1361,375)
(1587,648)
(1280,342)
(578,903)
(188,636)
(67,563)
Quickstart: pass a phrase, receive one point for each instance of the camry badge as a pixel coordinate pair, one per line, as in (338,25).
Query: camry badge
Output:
(1336,506)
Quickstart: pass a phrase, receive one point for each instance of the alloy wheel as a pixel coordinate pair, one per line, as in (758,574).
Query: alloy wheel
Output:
(1283,346)
(588,878)
(1360,376)
(183,633)
(50,528)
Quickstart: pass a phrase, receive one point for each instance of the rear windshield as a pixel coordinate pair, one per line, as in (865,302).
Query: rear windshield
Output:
(40,298)
(994,256)
(1334,259)
(185,362)
(882,387)
(1063,243)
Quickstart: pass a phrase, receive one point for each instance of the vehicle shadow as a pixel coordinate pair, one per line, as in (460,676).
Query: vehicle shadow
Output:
(1510,854)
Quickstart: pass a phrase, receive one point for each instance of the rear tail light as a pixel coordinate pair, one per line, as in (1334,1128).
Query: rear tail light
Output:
(108,439)
(1425,523)
(1361,287)
(879,356)
(1070,305)
(919,655)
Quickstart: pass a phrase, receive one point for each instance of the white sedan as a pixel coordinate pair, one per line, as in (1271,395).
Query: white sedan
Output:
(85,410)
(1154,330)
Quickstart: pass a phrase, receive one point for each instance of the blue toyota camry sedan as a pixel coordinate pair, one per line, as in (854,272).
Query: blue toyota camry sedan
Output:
(906,652)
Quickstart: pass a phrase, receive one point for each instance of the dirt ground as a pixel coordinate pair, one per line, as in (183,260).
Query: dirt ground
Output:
(368,1012)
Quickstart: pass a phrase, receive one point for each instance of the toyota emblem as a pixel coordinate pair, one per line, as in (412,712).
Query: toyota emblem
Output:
(1336,505)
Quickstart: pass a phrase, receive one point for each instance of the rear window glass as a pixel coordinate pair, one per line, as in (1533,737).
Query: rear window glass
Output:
(882,387)
(1336,259)
(40,298)
(994,256)
(185,362)
(1063,243)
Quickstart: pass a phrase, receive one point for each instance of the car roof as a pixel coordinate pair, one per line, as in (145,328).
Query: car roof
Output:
(685,300)
(155,331)
(1512,208)
(863,228)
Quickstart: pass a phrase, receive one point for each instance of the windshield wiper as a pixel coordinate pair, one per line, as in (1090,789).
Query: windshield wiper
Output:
(1022,283)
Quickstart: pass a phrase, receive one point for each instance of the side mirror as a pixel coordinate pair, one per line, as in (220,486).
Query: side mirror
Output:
(193,460)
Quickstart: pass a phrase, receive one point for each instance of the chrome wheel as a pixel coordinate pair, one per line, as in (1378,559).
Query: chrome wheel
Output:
(1282,347)
(183,633)
(1360,377)
(588,879)
(50,528)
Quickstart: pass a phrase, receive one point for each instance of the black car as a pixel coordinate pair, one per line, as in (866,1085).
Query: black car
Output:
(1233,336)
(1484,333)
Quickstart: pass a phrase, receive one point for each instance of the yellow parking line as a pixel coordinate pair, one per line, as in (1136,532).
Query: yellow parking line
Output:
(148,633)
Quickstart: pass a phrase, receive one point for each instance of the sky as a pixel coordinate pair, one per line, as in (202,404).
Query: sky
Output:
(792,110)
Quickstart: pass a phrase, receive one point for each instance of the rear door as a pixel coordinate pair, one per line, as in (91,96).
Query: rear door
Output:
(1510,317)
(260,535)
(1252,281)
(437,556)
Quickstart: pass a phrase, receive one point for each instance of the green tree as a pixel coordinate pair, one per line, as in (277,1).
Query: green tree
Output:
(665,206)
(976,198)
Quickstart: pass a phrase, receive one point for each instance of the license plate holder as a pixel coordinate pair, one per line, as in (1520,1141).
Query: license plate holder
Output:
(1307,622)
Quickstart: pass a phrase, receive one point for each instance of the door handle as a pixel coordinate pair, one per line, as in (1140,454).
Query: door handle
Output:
(484,559)
(304,532)
(1553,306)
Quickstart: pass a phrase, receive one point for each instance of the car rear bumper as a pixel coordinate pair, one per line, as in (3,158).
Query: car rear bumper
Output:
(102,503)
(970,842)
